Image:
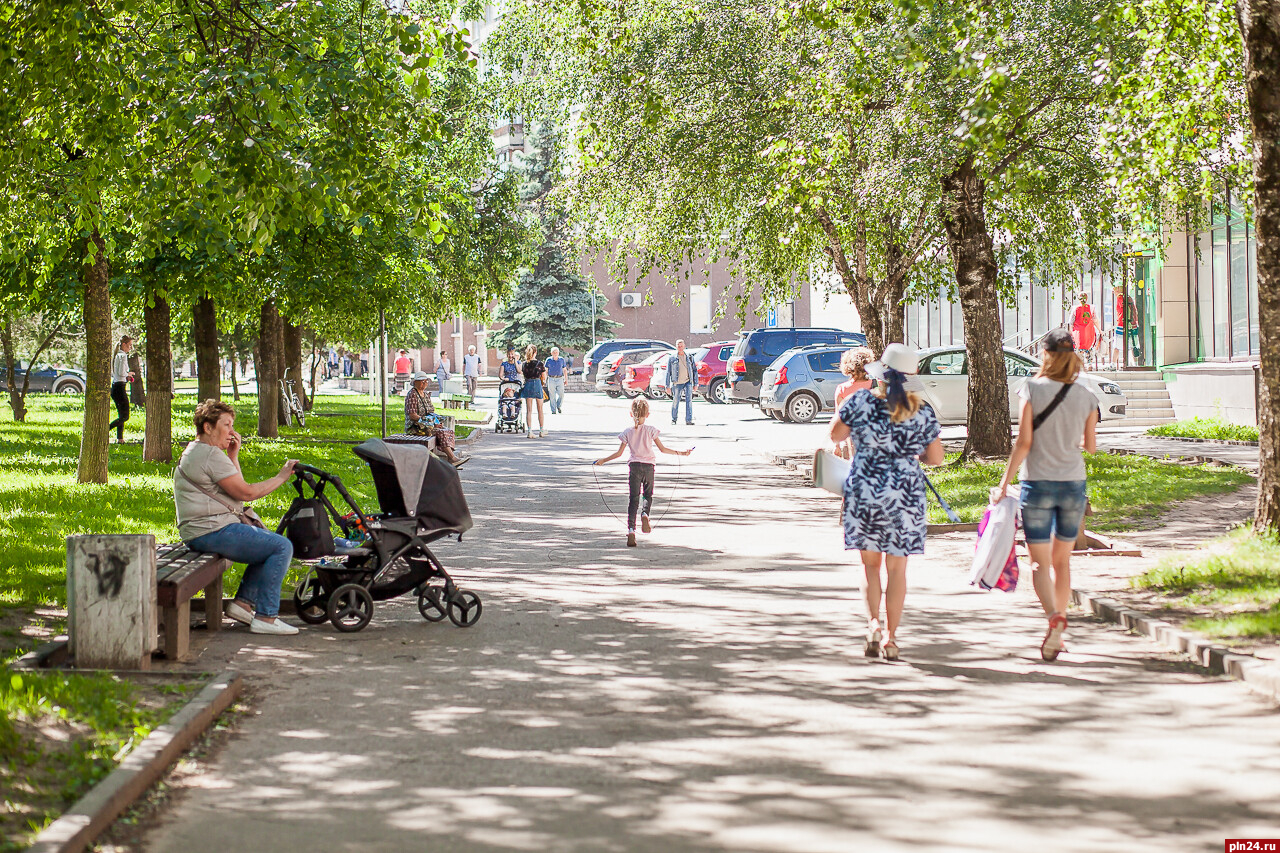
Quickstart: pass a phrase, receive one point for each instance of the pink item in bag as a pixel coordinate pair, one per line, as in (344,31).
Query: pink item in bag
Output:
(1008,580)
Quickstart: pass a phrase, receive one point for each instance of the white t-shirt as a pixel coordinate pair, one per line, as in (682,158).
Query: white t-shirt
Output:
(120,367)
(641,441)
(197,512)
(470,365)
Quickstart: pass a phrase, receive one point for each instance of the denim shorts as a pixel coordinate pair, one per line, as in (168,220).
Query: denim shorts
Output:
(532,390)
(1052,509)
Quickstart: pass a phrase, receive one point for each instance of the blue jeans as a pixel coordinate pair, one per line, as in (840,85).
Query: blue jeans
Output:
(555,390)
(267,556)
(1052,509)
(687,391)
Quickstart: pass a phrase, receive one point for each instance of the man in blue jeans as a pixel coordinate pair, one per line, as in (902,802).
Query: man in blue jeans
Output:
(681,373)
(555,380)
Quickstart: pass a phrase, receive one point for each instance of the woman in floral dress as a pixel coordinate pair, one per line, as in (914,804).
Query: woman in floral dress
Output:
(893,430)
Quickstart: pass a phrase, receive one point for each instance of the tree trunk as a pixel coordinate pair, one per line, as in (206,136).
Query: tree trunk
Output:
(17,400)
(857,282)
(965,221)
(94,436)
(157,441)
(292,338)
(1260,26)
(235,367)
(282,364)
(316,359)
(266,360)
(137,393)
(204,331)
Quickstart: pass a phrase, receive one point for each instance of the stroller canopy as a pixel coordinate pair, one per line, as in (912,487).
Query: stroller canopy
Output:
(398,469)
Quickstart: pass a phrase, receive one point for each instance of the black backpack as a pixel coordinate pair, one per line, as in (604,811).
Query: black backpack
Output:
(308,528)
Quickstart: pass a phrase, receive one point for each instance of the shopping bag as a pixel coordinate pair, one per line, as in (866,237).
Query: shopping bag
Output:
(994,553)
(830,471)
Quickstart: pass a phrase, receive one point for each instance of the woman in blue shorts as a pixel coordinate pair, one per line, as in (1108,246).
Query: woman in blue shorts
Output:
(1057,421)
(535,374)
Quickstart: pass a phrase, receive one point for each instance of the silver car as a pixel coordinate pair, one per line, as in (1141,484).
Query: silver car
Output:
(945,374)
(801,383)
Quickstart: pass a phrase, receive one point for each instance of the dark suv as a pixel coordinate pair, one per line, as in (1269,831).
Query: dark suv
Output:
(757,349)
(598,353)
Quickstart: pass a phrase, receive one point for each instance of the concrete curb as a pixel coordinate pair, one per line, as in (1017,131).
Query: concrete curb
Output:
(95,811)
(1229,442)
(1258,675)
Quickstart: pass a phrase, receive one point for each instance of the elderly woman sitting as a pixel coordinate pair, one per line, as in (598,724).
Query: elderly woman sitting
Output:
(420,419)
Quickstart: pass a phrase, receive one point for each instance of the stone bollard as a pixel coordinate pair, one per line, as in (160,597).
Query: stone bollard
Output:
(111,600)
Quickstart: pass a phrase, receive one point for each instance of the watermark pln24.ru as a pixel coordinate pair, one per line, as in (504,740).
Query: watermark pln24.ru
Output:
(1252,845)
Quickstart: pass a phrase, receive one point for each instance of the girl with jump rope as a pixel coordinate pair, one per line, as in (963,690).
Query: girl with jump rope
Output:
(642,440)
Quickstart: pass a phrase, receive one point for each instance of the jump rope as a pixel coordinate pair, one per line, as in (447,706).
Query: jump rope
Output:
(665,509)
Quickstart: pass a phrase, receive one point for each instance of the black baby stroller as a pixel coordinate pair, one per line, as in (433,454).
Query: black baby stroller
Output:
(510,409)
(421,501)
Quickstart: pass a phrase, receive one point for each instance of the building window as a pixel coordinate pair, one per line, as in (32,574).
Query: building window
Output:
(1225,321)
(700,309)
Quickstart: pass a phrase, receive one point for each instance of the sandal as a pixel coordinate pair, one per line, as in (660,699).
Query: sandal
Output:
(890,650)
(462,460)
(872,648)
(1052,644)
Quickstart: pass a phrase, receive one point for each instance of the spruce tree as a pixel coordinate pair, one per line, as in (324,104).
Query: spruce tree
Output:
(551,304)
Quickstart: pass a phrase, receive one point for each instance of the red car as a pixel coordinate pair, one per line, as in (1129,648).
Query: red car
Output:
(712,366)
(636,377)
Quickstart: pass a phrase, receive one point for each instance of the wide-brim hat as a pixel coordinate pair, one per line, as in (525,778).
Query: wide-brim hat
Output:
(901,358)
(421,376)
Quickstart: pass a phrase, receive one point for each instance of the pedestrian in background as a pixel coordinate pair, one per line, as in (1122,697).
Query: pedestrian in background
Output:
(442,370)
(853,363)
(1058,419)
(681,373)
(642,440)
(471,370)
(534,375)
(893,431)
(120,377)
(510,370)
(556,367)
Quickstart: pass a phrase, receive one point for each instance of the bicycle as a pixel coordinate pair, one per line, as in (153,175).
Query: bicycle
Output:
(289,402)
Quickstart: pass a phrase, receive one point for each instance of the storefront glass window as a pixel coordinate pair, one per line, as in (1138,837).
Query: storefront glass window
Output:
(1202,328)
(1219,292)
(1254,348)
(1239,292)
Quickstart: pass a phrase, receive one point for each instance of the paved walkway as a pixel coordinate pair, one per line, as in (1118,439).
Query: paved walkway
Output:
(707,692)
(1137,441)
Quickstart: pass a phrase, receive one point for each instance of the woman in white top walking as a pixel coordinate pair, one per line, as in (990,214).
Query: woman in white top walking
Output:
(120,377)
(1057,421)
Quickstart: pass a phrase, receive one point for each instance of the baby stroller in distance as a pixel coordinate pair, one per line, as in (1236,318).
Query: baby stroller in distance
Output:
(421,500)
(510,412)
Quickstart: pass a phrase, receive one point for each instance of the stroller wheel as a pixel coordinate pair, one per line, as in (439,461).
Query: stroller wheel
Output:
(350,607)
(429,605)
(309,600)
(465,608)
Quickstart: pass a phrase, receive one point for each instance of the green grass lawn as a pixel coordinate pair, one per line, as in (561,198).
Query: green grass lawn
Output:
(1206,428)
(1237,577)
(1126,492)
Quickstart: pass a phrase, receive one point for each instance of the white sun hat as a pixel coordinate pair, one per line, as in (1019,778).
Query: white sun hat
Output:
(421,376)
(899,357)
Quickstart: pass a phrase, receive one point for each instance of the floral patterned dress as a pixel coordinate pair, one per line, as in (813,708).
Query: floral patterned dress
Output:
(884,497)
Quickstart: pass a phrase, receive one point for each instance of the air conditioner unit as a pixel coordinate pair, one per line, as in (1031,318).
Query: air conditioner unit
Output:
(632,300)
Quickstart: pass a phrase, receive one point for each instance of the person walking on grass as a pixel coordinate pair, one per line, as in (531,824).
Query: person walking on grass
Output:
(1058,419)
(209,494)
(120,377)
(534,375)
(681,373)
(556,367)
(642,440)
(893,431)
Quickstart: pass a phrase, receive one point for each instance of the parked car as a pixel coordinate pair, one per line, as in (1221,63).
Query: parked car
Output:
(637,377)
(801,383)
(45,378)
(613,369)
(659,384)
(712,366)
(945,374)
(599,352)
(757,349)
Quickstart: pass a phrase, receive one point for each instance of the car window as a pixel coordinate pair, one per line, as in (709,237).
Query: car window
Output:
(1018,367)
(854,340)
(775,345)
(945,364)
(725,353)
(825,362)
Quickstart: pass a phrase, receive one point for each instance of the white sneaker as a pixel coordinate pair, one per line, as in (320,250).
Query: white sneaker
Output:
(261,626)
(528,433)
(237,611)
(542,433)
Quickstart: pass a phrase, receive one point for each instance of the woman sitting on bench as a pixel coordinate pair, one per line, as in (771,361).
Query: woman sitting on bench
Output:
(420,419)
(210,493)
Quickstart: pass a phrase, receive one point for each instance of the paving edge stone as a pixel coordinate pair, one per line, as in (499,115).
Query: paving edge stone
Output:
(1261,676)
(96,810)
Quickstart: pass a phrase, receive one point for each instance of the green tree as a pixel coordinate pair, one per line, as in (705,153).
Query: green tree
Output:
(553,303)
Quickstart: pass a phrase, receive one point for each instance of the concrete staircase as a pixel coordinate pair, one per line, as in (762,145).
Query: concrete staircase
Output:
(1148,399)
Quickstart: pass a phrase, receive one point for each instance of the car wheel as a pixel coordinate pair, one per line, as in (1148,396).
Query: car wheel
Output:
(69,386)
(630,395)
(802,408)
(612,394)
(716,393)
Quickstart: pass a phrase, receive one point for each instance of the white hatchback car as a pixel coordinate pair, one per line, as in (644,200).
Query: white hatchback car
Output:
(945,374)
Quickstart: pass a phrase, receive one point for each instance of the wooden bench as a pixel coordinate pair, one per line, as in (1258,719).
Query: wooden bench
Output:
(180,574)
(463,401)
(427,441)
